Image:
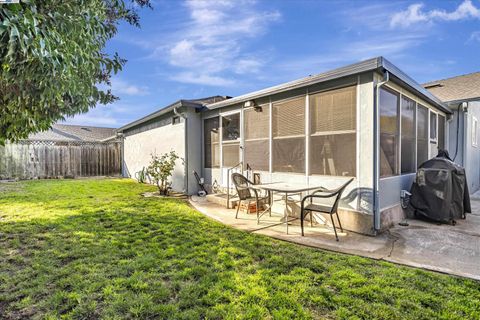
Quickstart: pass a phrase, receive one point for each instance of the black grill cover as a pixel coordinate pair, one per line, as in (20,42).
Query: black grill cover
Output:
(440,191)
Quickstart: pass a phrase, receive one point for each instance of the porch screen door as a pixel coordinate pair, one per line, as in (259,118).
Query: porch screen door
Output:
(230,140)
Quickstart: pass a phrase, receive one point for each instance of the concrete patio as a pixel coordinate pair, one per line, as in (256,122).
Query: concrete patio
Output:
(444,248)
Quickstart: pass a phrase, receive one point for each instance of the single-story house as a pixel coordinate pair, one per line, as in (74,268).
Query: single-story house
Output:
(175,127)
(368,120)
(462,95)
(63,151)
(68,132)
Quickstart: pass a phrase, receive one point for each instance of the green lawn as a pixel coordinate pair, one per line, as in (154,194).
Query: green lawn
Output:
(89,249)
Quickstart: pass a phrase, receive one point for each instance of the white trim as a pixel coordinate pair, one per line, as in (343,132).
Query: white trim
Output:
(287,137)
(416,136)
(431,141)
(340,86)
(474,132)
(399,124)
(229,113)
(330,133)
(411,96)
(357,129)
(307,134)
(241,152)
(270,136)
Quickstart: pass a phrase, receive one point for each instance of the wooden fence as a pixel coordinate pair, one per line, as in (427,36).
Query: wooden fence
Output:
(57,159)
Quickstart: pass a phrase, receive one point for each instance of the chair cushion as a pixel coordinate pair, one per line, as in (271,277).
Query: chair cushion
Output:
(318,207)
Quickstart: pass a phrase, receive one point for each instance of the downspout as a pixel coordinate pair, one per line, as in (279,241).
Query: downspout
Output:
(184,117)
(376,153)
(466,140)
(458,131)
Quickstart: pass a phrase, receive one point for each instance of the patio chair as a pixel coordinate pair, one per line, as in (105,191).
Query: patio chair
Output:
(316,207)
(248,194)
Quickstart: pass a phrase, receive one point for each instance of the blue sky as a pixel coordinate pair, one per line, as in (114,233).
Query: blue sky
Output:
(191,49)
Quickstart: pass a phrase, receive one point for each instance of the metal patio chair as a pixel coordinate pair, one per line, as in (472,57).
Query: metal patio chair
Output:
(315,207)
(248,194)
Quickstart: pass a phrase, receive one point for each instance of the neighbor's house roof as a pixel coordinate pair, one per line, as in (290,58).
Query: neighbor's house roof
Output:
(456,89)
(376,64)
(192,103)
(65,132)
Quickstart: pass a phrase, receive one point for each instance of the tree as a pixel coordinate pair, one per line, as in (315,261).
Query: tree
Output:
(161,169)
(53,61)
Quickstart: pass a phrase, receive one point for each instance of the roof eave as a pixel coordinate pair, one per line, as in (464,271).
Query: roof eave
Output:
(376,64)
(360,67)
(153,115)
(409,82)
(457,101)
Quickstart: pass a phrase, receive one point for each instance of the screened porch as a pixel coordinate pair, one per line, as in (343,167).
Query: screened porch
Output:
(309,138)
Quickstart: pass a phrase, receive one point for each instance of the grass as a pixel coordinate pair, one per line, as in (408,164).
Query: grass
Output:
(91,249)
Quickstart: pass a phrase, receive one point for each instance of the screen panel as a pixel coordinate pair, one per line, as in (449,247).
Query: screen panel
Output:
(257,124)
(408,152)
(211,142)
(389,132)
(231,127)
(256,154)
(333,155)
(231,154)
(289,155)
(289,117)
(333,110)
(422,134)
(441,132)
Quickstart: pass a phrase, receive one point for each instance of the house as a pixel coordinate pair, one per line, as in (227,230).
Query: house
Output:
(66,132)
(174,127)
(462,95)
(63,151)
(368,120)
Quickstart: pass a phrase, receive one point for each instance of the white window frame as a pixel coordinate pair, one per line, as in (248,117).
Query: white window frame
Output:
(238,141)
(418,102)
(309,133)
(203,142)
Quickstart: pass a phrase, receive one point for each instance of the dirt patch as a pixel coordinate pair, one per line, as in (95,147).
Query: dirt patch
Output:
(172,195)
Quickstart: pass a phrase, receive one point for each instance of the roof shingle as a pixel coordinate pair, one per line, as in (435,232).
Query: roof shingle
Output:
(65,132)
(460,88)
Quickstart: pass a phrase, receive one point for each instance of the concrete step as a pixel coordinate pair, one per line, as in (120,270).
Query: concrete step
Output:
(221,199)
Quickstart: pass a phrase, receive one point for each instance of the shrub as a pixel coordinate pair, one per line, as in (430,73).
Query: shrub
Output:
(161,169)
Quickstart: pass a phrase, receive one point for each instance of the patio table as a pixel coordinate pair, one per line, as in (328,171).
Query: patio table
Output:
(286,189)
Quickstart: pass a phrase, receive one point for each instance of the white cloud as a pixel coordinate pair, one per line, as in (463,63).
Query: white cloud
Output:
(415,14)
(212,46)
(112,115)
(390,46)
(92,120)
(475,36)
(121,87)
(205,79)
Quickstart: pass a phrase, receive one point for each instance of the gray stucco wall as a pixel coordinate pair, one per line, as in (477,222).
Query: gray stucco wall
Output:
(472,152)
(453,137)
(155,137)
(461,144)
(193,148)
